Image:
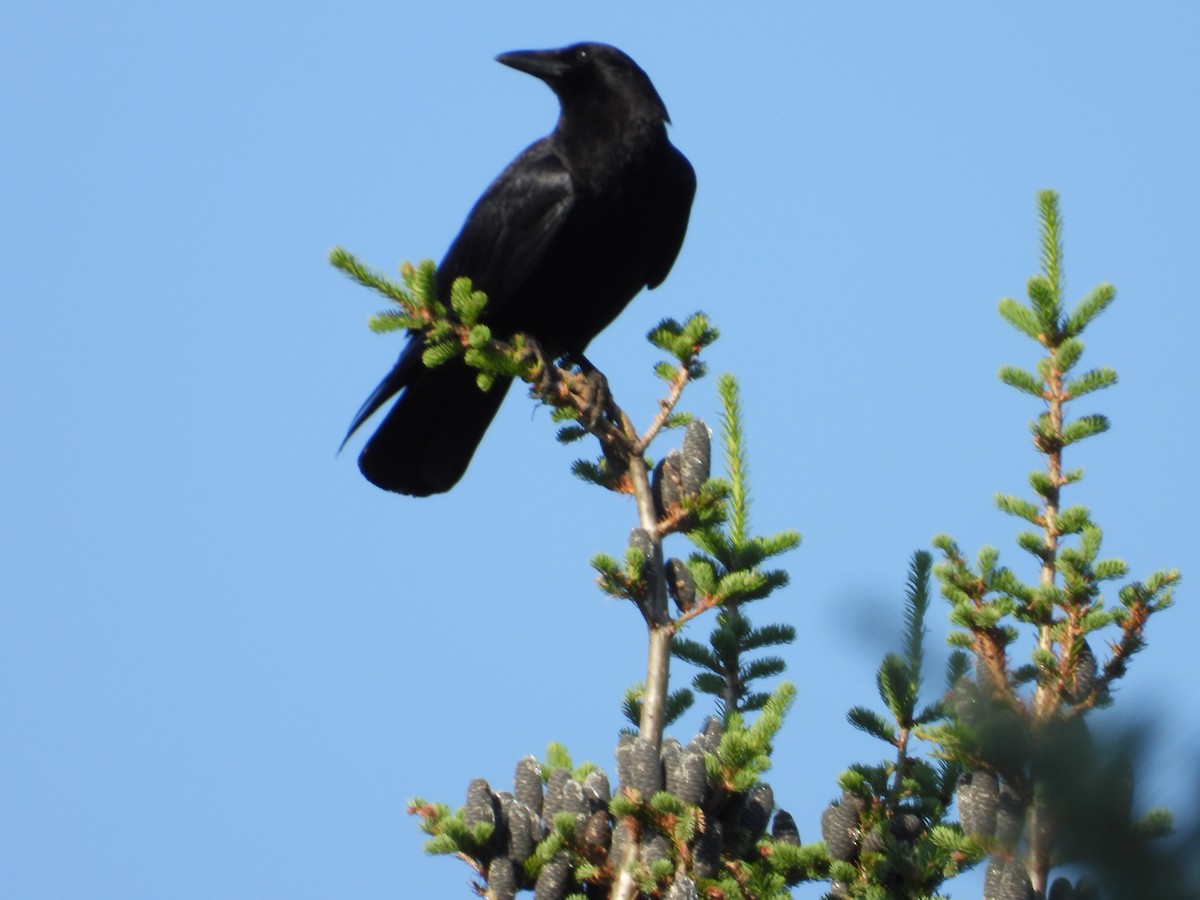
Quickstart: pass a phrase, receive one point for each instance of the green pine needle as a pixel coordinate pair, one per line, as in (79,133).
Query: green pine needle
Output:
(557,757)
(1020,317)
(769,636)
(1073,519)
(917,604)
(1052,251)
(1044,300)
(570,433)
(662,334)
(708,683)
(422,283)
(1088,308)
(388,320)
(466,302)
(1041,483)
(1067,354)
(872,723)
(897,687)
(480,336)
(766,667)
(631,704)
(364,275)
(1023,380)
(697,654)
(1093,380)
(1084,427)
(666,371)
(1015,506)
(678,702)
(588,471)
(1110,569)
(735,457)
(440,352)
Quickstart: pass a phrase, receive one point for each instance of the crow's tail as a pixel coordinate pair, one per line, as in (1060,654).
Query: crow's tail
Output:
(425,443)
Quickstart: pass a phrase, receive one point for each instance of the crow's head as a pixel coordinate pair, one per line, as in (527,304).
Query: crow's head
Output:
(594,80)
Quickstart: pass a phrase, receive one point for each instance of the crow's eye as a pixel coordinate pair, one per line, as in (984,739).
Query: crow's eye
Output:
(581,54)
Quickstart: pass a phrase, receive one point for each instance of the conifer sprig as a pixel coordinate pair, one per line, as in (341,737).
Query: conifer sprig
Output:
(888,834)
(728,573)
(1003,729)
(457,331)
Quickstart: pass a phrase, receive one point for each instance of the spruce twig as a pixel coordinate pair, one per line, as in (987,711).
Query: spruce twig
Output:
(1005,728)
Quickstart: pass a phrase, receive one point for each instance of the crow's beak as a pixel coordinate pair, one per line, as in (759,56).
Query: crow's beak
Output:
(547,65)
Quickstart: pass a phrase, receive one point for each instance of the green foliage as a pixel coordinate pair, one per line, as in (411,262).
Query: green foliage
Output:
(1066,602)
(1016,725)
(440,352)
(1023,381)
(745,751)
(1024,722)
(736,465)
(684,343)
(888,837)
(728,573)
(467,303)
(557,757)
(678,702)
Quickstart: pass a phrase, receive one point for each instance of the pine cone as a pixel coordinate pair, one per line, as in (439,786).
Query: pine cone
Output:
(596,834)
(481,804)
(1006,880)
(596,789)
(554,880)
(1085,675)
(670,753)
(710,740)
(523,829)
(840,828)
(756,811)
(639,539)
(655,846)
(501,879)
(992,877)
(687,777)
(574,798)
(683,888)
(554,802)
(978,794)
(681,585)
(906,826)
(784,829)
(697,457)
(639,766)
(666,483)
(1010,817)
(706,855)
(874,841)
(527,783)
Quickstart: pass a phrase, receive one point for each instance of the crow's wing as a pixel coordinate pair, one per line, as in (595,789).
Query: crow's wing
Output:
(503,240)
(678,188)
(509,230)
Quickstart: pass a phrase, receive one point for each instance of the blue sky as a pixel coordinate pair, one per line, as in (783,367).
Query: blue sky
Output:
(226,661)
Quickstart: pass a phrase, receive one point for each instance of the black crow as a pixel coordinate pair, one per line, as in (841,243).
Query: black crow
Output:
(566,236)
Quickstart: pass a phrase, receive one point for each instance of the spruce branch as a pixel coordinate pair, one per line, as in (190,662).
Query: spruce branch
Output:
(728,574)
(1010,720)
(733,442)
(888,834)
